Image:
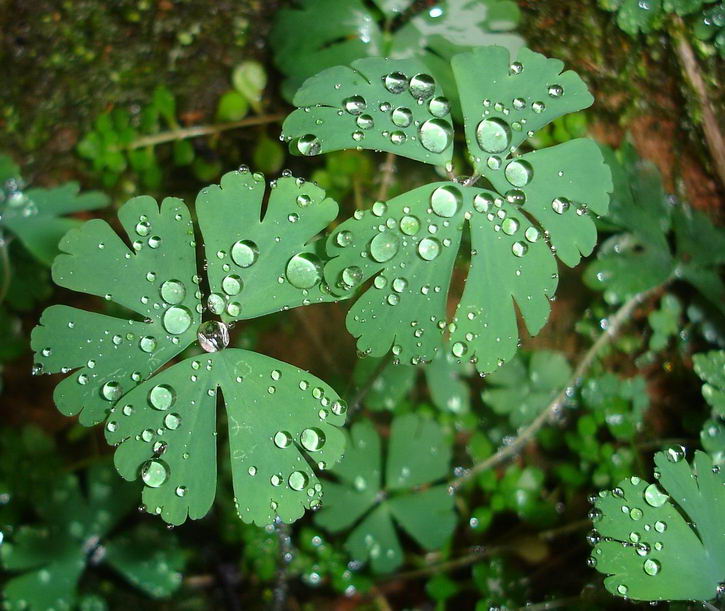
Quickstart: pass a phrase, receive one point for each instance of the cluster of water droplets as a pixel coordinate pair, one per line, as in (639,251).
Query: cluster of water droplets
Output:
(14,200)
(395,118)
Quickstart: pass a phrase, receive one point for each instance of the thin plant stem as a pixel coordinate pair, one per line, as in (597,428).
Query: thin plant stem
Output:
(612,330)
(387,172)
(279,596)
(367,386)
(5,263)
(474,555)
(196,131)
(471,180)
(693,75)
(552,604)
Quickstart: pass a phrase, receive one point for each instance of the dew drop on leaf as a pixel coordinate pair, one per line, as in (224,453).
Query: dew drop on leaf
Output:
(147,343)
(402,116)
(445,201)
(244,253)
(177,319)
(282,439)
(154,473)
(560,205)
(519,173)
(304,270)
(654,496)
(409,225)
(429,248)
(493,135)
(435,135)
(344,238)
(161,397)
(365,122)
(111,391)
(297,480)
(384,247)
(355,104)
(651,567)
(173,292)
(422,86)
(172,421)
(312,439)
(519,249)
(395,82)
(309,144)
(232,284)
(439,107)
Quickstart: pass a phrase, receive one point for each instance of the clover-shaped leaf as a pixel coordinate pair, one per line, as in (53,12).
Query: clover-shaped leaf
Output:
(374,103)
(634,16)
(165,426)
(521,391)
(639,257)
(341,32)
(710,367)
(34,215)
(619,403)
(664,541)
(76,532)
(407,494)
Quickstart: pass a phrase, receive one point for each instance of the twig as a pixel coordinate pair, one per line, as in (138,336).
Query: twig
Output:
(313,334)
(552,604)
(614,326)
(386,179)
(693,75)
(474,555)
(367,386)
(471,180)
(201,130)
(279,597)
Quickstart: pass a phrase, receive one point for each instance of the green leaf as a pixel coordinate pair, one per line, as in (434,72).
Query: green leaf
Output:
(665,322)
(165,104)
(448,390)
(381,104)
(341,32)
(183,152)
(522,391)
(34,214)
(390,386)
(634,16)
(249,78)
(269,155)
(232,107)
(412,261)
(619,403)
(664,541)
(710,367)
(363,501)
(53,555)
(165,426)
(684,7)
(503,102)
(263,264)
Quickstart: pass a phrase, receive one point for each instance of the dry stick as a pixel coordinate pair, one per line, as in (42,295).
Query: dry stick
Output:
(614,326)
(314,336)
(386,180)
(201,130)
(693,74)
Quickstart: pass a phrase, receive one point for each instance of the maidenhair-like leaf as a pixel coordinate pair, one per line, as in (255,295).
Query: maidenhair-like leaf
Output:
(374,103)
(278,416)
(262,264)
(639,257)
(522,391)
(363,500)
(409,245)
(34,215)
(666,540)
(340,32)
(53,555)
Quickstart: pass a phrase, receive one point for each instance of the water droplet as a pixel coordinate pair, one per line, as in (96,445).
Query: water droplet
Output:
(111,391)
(379,208)
(304,270)
(154,473)
(244,253)
(298,480)
(516,196)
(493,135)
(173,291)
(459,349)
(142,228)
(516,68)
(354,104)
(384,246)
(365,122)
(154,241)
(519,249)
(213,335)
(429,248)
(180,491)
(519,173)
(675,453)
(395,82)
(435,135)
(232,284)
(398,137)
(439,107)
(532,234)
(482,202)
(560,205)
(161,397)
(402,117)
(344,238)
(555,91)
(660,526)
(282,439)
(351,276)
(339,407)
(308,145)
(399,285)
(446,201)
(651,567)
(312,439)
(510,226)
(538,107)
(177,319)
(422,86)
(622,589)
(216,303)
(654,496)
(172,421)
(252,471)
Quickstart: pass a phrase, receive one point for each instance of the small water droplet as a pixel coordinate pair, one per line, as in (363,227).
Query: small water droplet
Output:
(154,473)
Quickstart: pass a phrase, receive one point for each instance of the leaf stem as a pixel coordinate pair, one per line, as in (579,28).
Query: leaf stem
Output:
(201,130)
(279,597)
(387,171)
(693,75)
(471,180)
(612,330)
(367,386)
(5,264)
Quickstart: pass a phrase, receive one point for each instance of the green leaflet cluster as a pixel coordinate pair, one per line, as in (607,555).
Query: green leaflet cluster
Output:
(407,246)
(407,492)
(664,540)
(79,530)
(340,32)
(710,367)
(283,424)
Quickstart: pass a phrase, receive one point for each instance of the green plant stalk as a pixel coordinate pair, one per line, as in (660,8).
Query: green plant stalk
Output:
(614,326)
(5,263)
(201,130)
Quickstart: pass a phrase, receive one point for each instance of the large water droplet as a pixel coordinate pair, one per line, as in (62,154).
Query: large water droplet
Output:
(297,480)
(232,284)
(244,253)
(654,496)
(519,249)
(304,270)
(312,439)
(651,566)
(354,104)
(435,135)
(482,202)
(422,86)
(439,107)
(351,276)
(173,291)
(154,473)
(395,82)
(429,248)
(172,421)
(446,201)
(384,246)
(161,397)
(510,226)
(365,122)
(213,335)
(177,319)
(402,117)
(147,343)
(493,135)
(409,225)
(111,391)
(282,439)
(519,173)
(560,205)
(309,145)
